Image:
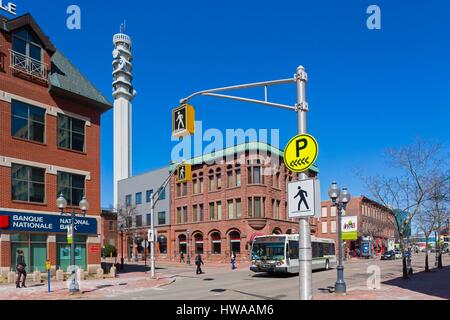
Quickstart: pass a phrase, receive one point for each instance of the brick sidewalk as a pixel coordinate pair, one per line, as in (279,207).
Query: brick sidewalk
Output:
(124,283)
(433,285)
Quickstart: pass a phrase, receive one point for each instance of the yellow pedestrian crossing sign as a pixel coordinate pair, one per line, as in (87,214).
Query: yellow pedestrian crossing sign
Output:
(301,153)
(183,121)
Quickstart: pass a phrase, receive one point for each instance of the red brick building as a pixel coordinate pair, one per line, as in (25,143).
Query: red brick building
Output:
(109,228)
(376,224)
(49,144)
(235,195)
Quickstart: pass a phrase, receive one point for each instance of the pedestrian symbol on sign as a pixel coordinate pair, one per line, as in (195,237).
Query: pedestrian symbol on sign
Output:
(183,121)
(180,121)
(303,195)
(304,198)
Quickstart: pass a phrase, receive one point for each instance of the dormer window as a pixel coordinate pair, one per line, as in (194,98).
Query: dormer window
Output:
(25,43)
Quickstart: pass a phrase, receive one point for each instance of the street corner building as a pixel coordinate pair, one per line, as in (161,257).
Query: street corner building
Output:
(49,144)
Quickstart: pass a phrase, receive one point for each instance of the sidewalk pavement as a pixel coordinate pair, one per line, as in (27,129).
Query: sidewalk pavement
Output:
(433,285)
(108,287)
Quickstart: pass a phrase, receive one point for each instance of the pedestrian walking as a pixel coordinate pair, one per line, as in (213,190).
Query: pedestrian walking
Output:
(182,257)
(233,261)
(21,265)
(198,263)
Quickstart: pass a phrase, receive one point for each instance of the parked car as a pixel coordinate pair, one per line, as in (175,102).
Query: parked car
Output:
(398,254)
(388,255)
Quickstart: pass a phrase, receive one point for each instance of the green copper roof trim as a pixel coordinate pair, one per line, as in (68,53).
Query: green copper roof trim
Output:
(249,146)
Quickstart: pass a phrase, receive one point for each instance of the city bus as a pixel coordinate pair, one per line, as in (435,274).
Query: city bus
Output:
(279,254)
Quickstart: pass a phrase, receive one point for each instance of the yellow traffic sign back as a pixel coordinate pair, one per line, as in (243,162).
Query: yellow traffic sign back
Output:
(301,153)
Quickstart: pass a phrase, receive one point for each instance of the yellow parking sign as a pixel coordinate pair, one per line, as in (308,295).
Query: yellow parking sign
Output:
(48,265)
(301,153)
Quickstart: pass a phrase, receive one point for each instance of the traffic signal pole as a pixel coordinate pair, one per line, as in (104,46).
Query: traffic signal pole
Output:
(301,108)
(305,248)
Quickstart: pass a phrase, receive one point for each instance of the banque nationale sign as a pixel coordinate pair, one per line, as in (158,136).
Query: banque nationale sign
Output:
(8,7)
(30,222)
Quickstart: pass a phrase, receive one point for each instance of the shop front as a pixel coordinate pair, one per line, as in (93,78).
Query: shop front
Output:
(43,237)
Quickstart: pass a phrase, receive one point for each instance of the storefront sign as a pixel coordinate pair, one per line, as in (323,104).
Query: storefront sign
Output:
(8,7)
(350,228)
(31,222)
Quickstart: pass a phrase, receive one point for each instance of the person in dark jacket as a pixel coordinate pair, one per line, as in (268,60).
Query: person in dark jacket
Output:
(198,263)
(21,265)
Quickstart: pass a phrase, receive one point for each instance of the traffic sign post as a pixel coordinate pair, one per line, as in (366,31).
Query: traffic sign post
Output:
(183,121)
(304,198)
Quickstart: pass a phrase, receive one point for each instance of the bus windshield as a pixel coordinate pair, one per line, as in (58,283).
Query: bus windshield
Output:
(268,251)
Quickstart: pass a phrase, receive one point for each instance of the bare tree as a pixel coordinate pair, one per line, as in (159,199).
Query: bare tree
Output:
(427,224)
(438,207)
(373,228)
(125,214)
(406,192)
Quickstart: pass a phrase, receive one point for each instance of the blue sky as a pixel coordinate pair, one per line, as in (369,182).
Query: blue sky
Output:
(368,89)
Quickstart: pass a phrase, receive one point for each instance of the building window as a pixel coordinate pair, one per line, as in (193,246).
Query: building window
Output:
(238,178)
(178,190)
(138,221)
(325,212)
(162,194)
(202,213)
(216,243)
(148,196)
(198,244)
(111,226)
(161,218)
(185,190)
(259,207)
(28,184)
(211,182)
(201,183)
(185,215)
(235,242)
(333,211)
(181,190)
(148,219)
(34,247)
(72,187)
(71,133)
(211,212)
(138,198)
(219,179)
(194,184)
(250,207)
(195,213)
(276,209)
(128,200)
(27,122)
(24,42)
(324,227)
(219,210)
(333,227)
(230,182)
(238,208)
(230,209)
(162,240)
(179,215)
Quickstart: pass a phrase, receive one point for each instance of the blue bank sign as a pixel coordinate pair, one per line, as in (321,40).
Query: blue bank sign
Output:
(32,222)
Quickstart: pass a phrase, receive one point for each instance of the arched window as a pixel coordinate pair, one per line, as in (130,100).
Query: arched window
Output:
(200,182)
(162,240)
(182,241)
(216,243)
(198,243)
(230,182)
(235,242)
(219,178)
(211,180)
(194,184)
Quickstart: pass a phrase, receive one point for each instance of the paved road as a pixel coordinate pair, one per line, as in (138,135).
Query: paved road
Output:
(221,284)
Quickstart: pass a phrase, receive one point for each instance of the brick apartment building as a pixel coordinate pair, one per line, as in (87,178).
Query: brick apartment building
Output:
(49,144)
(109,227)
(234,196)
(376,224)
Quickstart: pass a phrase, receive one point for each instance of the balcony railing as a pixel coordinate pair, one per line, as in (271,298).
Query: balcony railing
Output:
(29,66)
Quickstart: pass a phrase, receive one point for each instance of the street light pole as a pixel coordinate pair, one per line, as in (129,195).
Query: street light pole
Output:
(340,199)
(188,249)
(121,247)
(152,240)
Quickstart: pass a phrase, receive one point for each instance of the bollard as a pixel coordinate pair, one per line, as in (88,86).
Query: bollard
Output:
(59,275)
(11,277)
(113,272)
(37,276)
(100,273)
